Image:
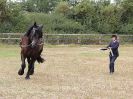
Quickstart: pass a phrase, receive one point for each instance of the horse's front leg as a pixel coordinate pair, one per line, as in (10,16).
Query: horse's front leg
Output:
(30,68)
(23,65)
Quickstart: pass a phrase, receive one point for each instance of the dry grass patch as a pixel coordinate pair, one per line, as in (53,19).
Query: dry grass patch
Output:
(76,72)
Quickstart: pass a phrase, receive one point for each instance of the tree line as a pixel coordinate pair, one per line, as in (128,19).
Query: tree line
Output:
(68,16)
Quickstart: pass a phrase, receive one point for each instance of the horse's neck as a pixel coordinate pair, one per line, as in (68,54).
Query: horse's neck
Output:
(25,40)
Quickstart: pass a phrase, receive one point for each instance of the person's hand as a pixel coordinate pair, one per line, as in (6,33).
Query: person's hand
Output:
(109,47)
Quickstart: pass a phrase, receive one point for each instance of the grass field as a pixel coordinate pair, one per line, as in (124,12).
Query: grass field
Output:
(70,72)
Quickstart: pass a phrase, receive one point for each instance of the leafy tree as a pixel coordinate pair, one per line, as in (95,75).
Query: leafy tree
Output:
(4,11)
(12,19)
(55,23)
(127,11)
(68,16)
(39,5)
(63,8)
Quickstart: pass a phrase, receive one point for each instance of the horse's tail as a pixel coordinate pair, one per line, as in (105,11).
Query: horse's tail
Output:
(40,59)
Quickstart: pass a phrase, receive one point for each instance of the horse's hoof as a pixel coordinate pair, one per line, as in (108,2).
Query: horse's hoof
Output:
(20,72)
(27,78)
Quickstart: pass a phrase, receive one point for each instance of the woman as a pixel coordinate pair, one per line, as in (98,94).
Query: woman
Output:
(114,53)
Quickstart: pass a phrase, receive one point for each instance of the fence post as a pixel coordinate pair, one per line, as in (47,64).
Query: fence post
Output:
(58,40)
(79,40)
(100,39)
(9,37)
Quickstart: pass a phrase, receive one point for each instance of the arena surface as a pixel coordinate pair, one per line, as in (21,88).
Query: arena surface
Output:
(70,72)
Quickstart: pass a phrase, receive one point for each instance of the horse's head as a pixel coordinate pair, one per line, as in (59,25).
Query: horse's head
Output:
(36,34)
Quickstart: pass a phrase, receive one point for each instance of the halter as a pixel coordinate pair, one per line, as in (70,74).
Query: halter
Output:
(24,46)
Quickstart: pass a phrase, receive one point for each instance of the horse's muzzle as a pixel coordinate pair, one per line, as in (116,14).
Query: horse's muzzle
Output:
(33,44)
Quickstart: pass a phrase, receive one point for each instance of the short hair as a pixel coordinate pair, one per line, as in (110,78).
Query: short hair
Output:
(114,36)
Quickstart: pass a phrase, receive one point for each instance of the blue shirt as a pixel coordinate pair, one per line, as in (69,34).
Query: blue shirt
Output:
(114,46)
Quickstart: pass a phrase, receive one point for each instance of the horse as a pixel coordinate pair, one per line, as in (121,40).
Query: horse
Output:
(31,48)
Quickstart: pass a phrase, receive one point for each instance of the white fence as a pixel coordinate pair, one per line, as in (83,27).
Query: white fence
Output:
(69,38)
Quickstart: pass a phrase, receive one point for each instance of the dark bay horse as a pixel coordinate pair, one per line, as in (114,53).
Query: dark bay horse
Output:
(31,49)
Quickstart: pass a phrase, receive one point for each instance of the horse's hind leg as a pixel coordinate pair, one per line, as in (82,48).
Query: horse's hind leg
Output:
(30,68)
(40,59)
(23,65)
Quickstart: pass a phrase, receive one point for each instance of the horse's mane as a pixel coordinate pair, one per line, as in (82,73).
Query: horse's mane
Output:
(30,29)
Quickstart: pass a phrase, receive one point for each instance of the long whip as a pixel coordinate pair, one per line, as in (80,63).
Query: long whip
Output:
(103,49)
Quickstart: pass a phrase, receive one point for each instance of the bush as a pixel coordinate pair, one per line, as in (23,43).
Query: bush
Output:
(127,29)
(55,23)
(16,21)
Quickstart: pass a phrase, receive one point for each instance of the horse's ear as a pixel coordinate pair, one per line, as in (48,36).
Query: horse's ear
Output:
(35,24)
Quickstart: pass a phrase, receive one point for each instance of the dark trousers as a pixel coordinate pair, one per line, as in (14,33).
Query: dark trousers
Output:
(112,63)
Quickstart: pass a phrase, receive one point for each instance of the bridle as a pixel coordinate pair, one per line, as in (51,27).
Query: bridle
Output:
(25,46)
(41,40)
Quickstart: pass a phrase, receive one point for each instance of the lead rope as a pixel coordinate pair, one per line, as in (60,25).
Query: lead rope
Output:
(24,46)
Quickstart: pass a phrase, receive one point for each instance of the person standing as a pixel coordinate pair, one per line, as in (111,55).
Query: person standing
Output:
(114,53)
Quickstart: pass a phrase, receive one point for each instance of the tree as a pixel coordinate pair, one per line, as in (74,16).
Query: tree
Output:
(40,5)
(4,11)
(62,8)
(11,17)
(127,16)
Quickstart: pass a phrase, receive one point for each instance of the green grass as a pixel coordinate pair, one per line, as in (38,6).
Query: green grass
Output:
(8,53)
(14,50)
